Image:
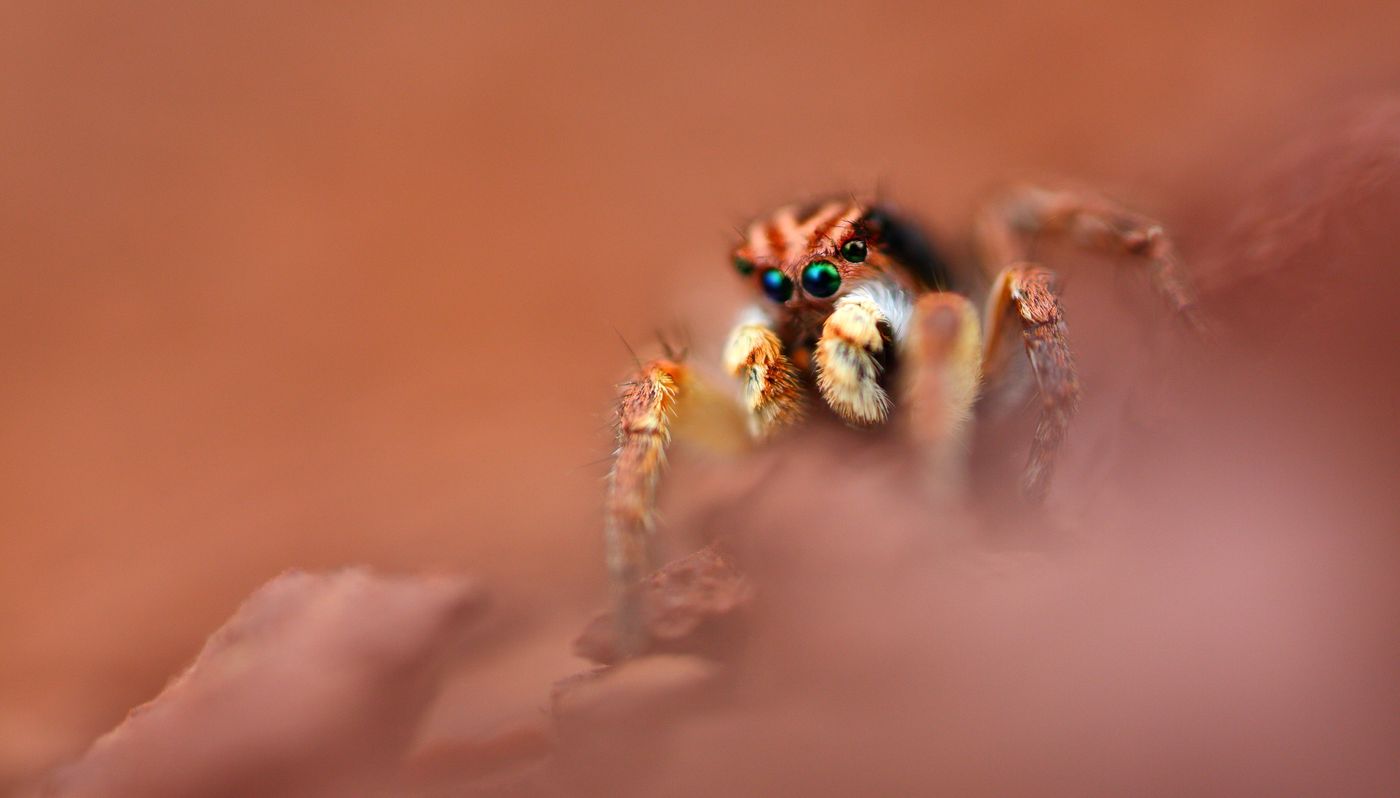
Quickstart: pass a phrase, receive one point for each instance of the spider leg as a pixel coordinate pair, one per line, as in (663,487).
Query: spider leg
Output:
(848,355)
(1007,229)
(663,398)
(944,356)
(768,378)
(1024,297)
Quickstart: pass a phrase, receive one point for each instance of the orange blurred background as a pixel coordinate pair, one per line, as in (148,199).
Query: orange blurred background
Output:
(323,283)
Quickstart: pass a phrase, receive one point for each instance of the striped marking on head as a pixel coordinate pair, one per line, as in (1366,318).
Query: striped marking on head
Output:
(783,237)
(839,227)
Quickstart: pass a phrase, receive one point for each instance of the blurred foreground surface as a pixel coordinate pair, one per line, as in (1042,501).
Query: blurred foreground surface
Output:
(255,263)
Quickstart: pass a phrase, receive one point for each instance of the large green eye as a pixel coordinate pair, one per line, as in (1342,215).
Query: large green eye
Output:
(854,251)
(820,279)
(776,285)
(743,266)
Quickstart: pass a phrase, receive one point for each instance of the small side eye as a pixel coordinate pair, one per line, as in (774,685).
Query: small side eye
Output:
(776,285)
(743,266)
(821,279)
(854,251)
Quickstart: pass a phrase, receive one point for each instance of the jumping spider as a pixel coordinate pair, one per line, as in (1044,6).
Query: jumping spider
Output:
(846,291)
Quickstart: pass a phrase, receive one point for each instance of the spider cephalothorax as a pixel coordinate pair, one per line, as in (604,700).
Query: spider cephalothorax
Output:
(805,263)
(844,291)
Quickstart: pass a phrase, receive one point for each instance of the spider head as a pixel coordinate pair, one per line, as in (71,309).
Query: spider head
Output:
(803,260)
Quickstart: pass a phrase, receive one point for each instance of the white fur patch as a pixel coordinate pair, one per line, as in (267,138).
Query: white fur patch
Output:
(895,304)
(754,314)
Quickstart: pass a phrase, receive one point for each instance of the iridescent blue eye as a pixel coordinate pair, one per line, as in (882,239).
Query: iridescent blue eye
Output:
(776,285)
(820,279)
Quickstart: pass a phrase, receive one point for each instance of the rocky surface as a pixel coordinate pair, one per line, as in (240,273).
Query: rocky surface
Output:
(691,605)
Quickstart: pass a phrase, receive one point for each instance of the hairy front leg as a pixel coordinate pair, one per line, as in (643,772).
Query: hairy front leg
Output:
(767,378)
(664,399)
(850,354)
(644,412)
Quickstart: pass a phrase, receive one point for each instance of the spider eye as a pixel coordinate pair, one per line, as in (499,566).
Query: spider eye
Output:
(854,250)
(776,285)
(743,266)
(821,279)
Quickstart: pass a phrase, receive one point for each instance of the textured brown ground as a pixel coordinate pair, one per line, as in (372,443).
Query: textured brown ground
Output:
(301,286)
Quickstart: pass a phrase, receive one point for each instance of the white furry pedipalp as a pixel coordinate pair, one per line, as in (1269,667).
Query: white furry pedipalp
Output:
(896,305)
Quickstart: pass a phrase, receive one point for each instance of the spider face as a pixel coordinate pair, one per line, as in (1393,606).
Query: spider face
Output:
(807,259)
(802,261)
